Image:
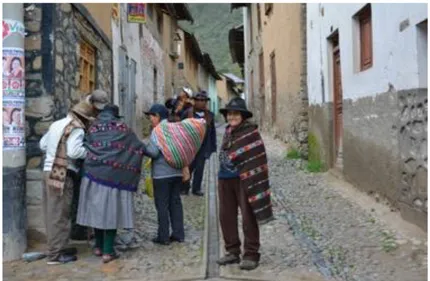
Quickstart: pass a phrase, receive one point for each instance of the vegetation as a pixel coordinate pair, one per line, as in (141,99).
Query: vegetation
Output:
(388,241)
(293,153)
(315,164)
(212,23)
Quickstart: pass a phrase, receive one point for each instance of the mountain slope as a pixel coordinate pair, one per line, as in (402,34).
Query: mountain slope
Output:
(212,23)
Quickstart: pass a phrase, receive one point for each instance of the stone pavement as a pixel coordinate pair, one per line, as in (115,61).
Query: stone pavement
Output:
(327,230)
(324,230)
(146,262)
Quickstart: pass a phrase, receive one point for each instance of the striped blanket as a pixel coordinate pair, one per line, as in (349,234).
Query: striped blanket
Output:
(180,141)
(245,149)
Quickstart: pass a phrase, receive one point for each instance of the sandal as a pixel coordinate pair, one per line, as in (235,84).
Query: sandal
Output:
(109,257)
(97,252)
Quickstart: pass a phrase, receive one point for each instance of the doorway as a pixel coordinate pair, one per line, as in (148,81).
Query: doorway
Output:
(337,101)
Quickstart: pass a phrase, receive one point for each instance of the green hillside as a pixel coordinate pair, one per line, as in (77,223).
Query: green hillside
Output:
(212,23)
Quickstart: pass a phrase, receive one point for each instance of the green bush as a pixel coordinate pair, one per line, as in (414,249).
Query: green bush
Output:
(315,166)
(293,153)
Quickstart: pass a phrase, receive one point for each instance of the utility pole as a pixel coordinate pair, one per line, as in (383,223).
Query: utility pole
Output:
(14,153)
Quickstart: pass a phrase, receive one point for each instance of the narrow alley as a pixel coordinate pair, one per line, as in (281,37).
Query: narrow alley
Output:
(324,230)
(137,130)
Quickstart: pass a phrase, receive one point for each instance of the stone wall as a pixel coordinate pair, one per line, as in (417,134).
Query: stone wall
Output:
(52,81)
(385,149)
(412,133)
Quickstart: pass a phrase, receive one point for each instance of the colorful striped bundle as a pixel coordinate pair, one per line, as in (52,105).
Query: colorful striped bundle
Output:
(180,141)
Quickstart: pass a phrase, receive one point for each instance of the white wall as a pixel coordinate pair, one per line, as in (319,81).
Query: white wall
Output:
(394,52)
(130,36)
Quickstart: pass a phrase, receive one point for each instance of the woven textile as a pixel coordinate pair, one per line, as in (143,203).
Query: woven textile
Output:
(57,177)
(180,141)
(245,149)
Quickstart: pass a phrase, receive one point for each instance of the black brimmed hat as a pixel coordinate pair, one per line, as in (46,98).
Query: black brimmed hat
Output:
(114,109)
(236,104)
(203,95)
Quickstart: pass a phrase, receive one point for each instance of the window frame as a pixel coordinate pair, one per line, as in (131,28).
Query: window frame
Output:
(87,75)
(365,37)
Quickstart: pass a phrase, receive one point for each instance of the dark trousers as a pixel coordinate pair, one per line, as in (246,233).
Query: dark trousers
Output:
(78,232)
(105,239)
(232,197)
(169,208)
(197,169)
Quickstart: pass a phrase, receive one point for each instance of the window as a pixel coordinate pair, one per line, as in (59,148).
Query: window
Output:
(259,17)
(160,22)
(364,18)
(87,75)
(268,7)
(261,61)
(149,10)
(273,84)
(155,84)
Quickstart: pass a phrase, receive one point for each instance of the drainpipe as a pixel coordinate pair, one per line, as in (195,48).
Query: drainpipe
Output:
(14,153)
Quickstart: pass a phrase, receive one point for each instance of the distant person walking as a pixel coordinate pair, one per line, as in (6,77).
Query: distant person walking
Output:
(200,110)
(243,182)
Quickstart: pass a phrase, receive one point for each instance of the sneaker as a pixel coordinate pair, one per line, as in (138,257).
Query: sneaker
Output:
(174,239)
(62,259)
(248,265)
(228,259)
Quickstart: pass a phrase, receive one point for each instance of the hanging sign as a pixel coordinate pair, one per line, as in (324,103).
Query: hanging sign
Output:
(12,26)
(136,13)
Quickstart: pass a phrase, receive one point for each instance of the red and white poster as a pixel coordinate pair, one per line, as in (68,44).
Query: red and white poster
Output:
(13,72)
(13,123)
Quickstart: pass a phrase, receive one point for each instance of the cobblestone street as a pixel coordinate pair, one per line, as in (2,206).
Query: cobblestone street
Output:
(324,230)
(146,261)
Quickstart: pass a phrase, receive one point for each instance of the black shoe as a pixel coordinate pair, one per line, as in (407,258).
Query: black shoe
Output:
(158,241)
(72,251)
(174,239)
(198,193)
(62,259)
(183,192)
(228,259)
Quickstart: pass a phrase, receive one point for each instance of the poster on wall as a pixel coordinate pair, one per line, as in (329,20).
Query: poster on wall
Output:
(13,123)
(136,13)
(12,26)
(13,72)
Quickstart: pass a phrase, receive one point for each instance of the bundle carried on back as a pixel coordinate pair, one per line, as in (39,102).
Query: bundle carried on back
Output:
(180,141)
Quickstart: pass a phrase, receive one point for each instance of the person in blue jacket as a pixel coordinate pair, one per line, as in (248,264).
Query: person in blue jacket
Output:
(200,110)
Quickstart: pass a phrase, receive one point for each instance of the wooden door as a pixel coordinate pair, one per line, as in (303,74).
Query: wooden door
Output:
(337,99)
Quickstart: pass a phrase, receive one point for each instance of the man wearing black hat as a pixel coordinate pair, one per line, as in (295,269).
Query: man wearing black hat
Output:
(200,110)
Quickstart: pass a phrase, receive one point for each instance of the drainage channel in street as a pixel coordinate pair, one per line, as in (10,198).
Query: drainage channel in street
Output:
(212,269)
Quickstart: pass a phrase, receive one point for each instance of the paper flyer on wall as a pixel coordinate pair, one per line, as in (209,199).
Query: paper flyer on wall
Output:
(13,123)
(13,72)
